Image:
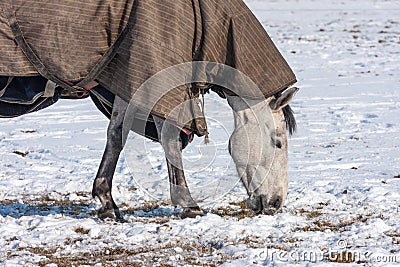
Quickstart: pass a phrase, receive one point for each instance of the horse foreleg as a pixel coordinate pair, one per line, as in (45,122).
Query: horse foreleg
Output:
(169,136)
(102,185)
(180,194)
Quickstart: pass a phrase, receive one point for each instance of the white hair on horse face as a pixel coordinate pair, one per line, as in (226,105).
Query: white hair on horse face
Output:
(258,146)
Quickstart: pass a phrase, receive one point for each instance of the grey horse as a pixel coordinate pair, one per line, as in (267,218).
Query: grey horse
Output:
(258,146)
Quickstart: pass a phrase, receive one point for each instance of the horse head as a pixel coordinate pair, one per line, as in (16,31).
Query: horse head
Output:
(259,148)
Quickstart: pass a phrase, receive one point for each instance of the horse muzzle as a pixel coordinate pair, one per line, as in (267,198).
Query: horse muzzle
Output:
(265,205)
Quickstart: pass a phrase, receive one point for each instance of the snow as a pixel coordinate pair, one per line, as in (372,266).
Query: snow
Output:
(343,196)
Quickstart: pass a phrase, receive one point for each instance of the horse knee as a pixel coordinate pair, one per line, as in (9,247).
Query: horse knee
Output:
(114,137)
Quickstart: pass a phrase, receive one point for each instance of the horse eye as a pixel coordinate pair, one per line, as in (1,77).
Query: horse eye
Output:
(277,143)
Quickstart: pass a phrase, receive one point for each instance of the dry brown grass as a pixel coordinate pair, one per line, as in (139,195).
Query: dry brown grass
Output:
(153,212)
(395,238)
(147,206)
(45,204)
(81,230)
(320,221)
(310,214)
(241,213)
(194,253)
(14,238)
(321,225)
(7,202)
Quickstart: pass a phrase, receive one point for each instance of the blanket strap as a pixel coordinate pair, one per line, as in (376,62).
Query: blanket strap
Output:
(207,138)
(41,68)
(2,91)
(50,89)
(194,91)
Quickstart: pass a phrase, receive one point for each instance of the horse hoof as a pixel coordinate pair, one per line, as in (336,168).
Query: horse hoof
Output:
(120,219)
(104,215)
(110,215)
(192,212)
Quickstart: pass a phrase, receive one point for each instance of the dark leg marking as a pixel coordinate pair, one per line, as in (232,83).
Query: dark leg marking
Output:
(171,142)
(102,185)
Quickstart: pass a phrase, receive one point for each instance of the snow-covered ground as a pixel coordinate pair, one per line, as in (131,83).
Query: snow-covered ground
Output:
(344,185)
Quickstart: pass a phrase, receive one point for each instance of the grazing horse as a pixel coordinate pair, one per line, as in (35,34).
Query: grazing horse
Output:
(120,45)
(258,146)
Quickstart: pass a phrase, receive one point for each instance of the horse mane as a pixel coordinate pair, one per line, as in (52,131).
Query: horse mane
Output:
(291,123)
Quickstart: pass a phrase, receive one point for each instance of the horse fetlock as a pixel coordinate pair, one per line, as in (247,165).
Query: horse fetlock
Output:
(100,187)
(109,209)
(180,196)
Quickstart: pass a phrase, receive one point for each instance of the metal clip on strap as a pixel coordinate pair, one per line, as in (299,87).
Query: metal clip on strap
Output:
(49,89)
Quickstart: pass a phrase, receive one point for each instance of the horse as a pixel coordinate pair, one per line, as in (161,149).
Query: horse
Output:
(78,46)
(258,146)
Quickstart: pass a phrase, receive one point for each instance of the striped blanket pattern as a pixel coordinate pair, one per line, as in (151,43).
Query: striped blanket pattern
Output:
(71,36)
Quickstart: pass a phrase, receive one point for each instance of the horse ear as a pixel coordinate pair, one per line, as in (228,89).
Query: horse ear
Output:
(284,99)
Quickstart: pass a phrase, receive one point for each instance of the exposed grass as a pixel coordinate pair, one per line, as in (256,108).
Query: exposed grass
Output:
(81,230)
(14,238)
(395,237)
(147,206)
(7,202)
(321,225)
(310,214)
(320,220)
(392,234)
(158,212)
(148,212)
(241,213)
(241,204)
(45,205)
(192,253)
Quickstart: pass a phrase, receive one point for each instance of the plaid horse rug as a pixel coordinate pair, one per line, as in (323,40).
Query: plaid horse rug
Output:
(121,44)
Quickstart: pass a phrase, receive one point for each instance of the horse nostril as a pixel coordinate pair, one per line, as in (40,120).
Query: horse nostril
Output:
(265,205)
(271,205)
(276,202)
(255,204)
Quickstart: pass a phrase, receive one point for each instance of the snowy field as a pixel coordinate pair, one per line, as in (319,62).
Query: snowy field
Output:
(344,184)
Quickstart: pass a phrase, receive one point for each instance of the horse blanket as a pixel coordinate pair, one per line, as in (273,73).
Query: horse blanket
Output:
(68,40)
